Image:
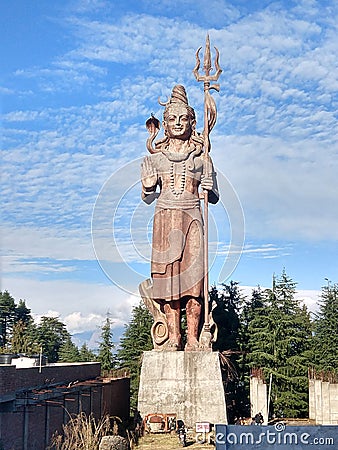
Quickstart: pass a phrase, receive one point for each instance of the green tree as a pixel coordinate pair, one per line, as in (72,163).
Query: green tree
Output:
(325,329)
(252,306)
(15,320)
(7,318)
(68,351)
(22,313)
(85,354)
(51,334)
(106,346)
(136,339)
(229,300)
(22,340)
(280,337)
(225,315)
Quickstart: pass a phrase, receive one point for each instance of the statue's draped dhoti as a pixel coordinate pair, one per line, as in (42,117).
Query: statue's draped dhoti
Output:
(177,257)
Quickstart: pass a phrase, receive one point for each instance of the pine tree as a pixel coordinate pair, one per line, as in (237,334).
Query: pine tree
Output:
(7,318)
(85,354)
(252,306)
(106,346)
(69,352)
(136,339)
(22,313)
(248,312)
(51,334)
(22,340)
(280,336)
(15,323)
(226,316)
(326,331)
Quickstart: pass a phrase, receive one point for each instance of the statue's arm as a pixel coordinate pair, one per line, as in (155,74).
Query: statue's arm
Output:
(209,181)
(149,179)
(213,194)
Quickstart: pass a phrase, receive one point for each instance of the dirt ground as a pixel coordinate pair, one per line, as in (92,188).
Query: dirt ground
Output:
(170,442)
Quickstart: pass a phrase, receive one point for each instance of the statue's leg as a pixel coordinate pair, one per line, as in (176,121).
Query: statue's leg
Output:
(193,309)
(172,312)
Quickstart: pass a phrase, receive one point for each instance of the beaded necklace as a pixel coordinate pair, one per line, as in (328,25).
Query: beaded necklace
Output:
(180,190)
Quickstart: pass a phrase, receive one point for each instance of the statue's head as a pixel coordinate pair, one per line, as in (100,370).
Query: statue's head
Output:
(179,119)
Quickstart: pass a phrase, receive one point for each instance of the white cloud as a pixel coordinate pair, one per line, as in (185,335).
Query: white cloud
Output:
(265,251)
(29,264)
(77,322)
(21,116)
(82,306)
(310,298)
(85,6)
(6,91)
(28,243)
(50,313)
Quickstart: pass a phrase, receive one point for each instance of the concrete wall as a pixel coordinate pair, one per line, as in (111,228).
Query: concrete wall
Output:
(323,402)
(258,398)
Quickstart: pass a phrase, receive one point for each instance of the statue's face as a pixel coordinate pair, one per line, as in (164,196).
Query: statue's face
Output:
(178,122)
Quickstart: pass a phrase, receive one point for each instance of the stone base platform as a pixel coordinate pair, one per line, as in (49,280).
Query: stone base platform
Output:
(188,384)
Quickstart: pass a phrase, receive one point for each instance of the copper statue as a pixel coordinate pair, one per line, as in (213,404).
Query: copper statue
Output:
(178,174)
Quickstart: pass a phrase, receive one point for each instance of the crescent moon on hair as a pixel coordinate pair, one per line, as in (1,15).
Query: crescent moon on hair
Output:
(164,103)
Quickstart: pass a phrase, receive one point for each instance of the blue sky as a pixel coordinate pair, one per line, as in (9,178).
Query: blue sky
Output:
(79,80)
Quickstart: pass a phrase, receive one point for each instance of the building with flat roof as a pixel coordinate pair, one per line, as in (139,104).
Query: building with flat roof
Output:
(35,401)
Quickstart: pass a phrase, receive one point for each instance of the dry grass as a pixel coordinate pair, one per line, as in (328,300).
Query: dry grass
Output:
(85,433)
(81,433)
(169,442)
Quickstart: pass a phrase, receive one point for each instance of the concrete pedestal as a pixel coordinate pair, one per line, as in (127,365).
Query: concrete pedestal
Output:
(188,384)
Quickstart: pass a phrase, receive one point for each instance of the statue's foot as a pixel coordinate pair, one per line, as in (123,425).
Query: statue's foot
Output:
(192,346)
(172,345)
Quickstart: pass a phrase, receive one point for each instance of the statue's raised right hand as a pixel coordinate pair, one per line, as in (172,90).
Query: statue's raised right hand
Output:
(148,173)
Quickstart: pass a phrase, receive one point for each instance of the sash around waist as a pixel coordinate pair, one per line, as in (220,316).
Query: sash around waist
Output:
(178,204)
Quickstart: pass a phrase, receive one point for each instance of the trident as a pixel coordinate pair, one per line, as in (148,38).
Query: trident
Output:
(210,115)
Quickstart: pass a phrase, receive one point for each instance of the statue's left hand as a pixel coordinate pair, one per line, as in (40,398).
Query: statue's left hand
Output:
(207,183)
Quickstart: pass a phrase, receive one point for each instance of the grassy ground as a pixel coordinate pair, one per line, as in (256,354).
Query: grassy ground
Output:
(169,442)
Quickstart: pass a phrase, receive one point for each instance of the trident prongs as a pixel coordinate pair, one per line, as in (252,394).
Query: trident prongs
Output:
(207,65)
